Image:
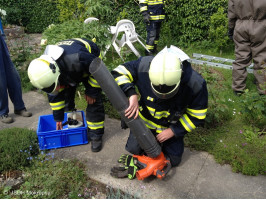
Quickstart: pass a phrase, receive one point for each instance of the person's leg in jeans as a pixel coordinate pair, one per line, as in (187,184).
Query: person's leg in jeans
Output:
(10,81)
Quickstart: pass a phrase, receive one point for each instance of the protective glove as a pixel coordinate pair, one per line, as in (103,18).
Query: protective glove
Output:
(127,160)
(122,172)
(131,165)
(146,18)
(230,33)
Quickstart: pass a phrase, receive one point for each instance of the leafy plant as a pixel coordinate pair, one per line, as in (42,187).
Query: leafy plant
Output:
(34,15)
(100,9)
(253,109)
(77,29)
(71,9)
(251,133)
(17,148)
(218,29)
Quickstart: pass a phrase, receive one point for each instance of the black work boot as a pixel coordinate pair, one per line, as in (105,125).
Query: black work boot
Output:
(96,145)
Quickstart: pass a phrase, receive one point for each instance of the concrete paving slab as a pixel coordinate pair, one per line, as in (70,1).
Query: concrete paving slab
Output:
(36,103)
(198,175)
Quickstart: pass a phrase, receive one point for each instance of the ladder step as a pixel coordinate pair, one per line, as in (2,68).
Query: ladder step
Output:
(223,60)
(220,65)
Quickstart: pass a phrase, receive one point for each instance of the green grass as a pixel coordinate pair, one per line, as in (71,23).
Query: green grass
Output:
(45,176)
(233,140)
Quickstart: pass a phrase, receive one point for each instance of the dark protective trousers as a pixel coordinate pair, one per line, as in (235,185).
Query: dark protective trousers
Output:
(250,43)
(153,35)
(94,113)
(172,148)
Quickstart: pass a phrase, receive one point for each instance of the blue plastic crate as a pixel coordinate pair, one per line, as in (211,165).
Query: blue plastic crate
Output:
(50,138)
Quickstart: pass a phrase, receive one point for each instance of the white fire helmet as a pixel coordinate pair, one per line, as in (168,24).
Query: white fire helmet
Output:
(165,73)
(43,73)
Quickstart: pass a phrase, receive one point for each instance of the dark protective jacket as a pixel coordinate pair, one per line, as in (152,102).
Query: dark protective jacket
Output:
(74,69)
(182,113)
(155,8)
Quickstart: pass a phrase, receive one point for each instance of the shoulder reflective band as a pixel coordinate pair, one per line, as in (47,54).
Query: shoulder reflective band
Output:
(122,70)
(87,45)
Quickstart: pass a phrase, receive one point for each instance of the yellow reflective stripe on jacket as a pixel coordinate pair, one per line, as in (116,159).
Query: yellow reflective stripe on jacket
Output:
(143,1)
(157,17)
(93,82)
(95,125)
(151,110)
(155,2)
(57,106)
(152,125)
(159,115)
(100,56)
(150,98)
(87,45)
(122,80)
(187,123)
(199,114)
(122,70)
(144,8)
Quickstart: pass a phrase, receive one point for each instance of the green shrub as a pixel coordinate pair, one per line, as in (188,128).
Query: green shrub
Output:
(76,29)
(190,20)
(35,16)
(71,9)
(253,109)
(42,14)
(101,9)
(17,148)
(218,30)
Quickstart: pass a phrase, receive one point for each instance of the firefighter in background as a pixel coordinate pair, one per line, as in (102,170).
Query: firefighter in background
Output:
(247,27)
(153,14)
(173,99)
(58,73)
